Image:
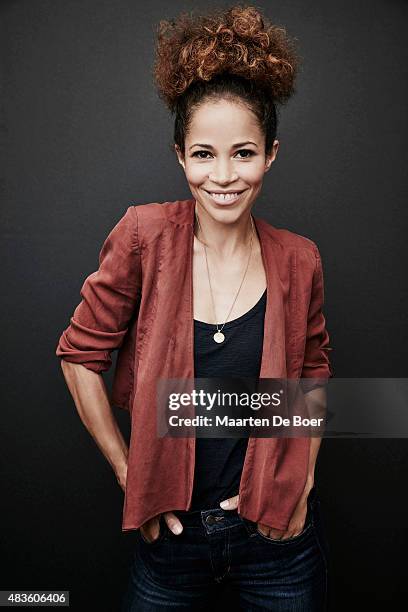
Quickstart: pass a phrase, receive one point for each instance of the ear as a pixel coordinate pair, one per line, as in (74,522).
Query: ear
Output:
(268,162)
(179,155)
(270,157)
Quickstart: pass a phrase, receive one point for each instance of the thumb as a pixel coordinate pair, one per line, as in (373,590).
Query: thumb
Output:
(230,504)
(173,522)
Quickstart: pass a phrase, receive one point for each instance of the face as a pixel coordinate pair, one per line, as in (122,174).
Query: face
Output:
(225,153)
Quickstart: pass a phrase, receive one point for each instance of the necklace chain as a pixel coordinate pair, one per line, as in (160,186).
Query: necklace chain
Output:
(219,336)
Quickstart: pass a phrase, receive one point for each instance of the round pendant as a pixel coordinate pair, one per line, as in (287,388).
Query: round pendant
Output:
(219,337)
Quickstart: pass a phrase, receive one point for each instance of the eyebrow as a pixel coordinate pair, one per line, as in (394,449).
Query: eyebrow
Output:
(208,146)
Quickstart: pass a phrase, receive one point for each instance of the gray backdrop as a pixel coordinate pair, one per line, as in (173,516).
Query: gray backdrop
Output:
(85,136)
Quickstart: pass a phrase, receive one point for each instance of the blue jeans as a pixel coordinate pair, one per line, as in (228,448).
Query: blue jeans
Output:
(218,547)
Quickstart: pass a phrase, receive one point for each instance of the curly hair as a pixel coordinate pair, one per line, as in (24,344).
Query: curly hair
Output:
(227,53)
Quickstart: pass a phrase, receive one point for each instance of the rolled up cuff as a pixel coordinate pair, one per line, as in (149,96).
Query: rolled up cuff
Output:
(89,347)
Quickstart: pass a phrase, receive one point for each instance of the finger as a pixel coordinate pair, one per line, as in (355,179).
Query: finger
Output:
(173,522)
(230,504)
(264,529)
(293,532)
(276,535)
(151,528)
(297,532)
(269,532)
(265,532)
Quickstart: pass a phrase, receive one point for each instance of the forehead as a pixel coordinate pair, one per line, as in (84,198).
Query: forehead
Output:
(223,119)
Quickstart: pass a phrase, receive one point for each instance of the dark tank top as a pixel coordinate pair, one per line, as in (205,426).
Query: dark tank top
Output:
(219,461)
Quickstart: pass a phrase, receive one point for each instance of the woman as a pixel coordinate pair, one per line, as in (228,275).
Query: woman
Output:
(199,289)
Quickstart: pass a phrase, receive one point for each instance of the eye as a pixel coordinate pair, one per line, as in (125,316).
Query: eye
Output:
(199,153)
(196,154)
(251,153)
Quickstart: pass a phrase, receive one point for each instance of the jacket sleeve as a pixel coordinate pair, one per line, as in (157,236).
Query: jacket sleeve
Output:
(109,298)
(316,362)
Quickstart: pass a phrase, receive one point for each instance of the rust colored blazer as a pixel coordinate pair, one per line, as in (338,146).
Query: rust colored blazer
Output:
(140,301)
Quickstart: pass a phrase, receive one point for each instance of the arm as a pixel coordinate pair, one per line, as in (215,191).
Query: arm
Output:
(97,327)
(317,368)
(91,400)
(316,362)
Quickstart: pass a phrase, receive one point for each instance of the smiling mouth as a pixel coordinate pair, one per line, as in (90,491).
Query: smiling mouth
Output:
(224,198)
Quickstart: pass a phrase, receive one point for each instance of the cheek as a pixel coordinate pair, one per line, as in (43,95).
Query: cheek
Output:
(252,173)
(196,175)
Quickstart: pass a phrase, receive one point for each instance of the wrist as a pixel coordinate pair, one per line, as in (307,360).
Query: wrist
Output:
(309,484)
(120,469)
(121,475)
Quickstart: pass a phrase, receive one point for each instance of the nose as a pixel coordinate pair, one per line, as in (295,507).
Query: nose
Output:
(223,173)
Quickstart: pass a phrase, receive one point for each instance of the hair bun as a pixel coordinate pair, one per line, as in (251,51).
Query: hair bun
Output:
(238,40)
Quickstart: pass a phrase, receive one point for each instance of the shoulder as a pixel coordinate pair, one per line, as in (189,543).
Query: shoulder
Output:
(288,240)
(176,210)
(152,217)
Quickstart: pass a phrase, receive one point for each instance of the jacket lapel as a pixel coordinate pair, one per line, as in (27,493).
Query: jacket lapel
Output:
(273,363)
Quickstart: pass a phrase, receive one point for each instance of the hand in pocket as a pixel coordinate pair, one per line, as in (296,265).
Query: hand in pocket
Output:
(296,523)
(151,528)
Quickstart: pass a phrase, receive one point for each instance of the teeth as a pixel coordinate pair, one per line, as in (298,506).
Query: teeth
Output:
(224,196)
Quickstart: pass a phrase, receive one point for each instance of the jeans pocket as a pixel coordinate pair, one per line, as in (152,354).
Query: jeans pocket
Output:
(287,541)
(312,501)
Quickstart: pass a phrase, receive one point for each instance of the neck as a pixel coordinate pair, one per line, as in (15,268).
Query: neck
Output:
(225,239)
